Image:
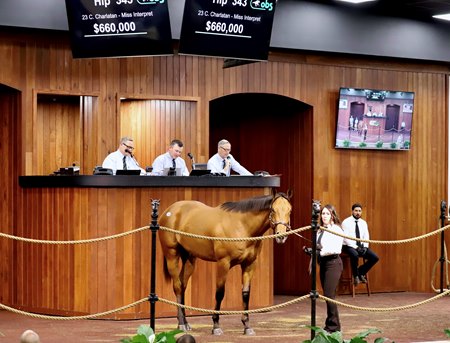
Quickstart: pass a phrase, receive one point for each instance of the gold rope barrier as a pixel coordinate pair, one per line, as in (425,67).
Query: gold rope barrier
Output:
(202,310)
(89,316)
(387,309)
(234,239)
(230,239)
(398,241)
(81,241)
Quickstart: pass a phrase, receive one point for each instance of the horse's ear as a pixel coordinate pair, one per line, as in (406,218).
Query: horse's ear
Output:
(289,193)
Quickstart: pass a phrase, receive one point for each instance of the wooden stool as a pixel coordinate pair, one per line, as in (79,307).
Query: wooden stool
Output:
(346,280)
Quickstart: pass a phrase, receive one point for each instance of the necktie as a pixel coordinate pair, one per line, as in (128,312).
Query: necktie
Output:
(124,163)
(224,163)
(358,235)
(174,165)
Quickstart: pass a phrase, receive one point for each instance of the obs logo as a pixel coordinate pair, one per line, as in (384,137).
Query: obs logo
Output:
(261,5)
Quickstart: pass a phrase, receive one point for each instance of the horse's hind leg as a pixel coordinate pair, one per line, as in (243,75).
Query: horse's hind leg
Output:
(222,272)
(247,274)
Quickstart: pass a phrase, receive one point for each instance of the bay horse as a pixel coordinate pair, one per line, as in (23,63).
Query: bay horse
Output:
(251,217)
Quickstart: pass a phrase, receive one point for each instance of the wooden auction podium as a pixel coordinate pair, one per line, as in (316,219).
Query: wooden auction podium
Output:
(97,277)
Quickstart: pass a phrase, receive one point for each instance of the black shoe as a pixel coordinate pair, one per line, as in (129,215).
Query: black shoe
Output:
(356,281)
(363,278)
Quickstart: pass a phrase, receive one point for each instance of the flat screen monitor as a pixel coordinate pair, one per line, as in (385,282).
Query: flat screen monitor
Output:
(172,172)
(200,172)
(239,29)
(374,119)
(128,172)
(119,28)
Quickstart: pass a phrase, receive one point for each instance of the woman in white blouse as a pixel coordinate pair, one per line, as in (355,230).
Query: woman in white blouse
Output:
(330,262)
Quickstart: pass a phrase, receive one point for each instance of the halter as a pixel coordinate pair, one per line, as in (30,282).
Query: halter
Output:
(273,223)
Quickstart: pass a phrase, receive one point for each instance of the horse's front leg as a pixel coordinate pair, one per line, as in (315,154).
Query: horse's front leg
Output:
(186,271)
(222,271)
(247,275)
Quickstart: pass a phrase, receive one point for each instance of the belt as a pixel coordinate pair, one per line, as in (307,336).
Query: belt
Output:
(329,257)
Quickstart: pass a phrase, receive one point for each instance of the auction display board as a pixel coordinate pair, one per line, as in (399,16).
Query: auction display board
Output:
(238,29)
(119,28)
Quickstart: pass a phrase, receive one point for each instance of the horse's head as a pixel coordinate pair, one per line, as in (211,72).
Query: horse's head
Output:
(280,215)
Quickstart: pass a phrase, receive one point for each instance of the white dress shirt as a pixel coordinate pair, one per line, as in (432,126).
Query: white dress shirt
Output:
(215,164)
(165,161)
(349,226)
(331,244)
(114,161)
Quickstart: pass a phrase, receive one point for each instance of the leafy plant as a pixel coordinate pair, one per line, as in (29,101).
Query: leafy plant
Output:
(362,144)
(393,145)
(407,144)
(447,332)
(145,334)
(336,337)
(346,143)
(379,144)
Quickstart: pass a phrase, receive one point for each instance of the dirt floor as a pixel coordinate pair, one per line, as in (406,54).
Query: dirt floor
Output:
(425,323)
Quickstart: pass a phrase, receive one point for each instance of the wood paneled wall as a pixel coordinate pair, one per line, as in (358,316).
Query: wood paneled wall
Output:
(154,123)
(400,191)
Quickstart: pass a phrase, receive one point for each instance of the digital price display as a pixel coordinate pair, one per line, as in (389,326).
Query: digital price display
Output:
(238,29)
(119,28)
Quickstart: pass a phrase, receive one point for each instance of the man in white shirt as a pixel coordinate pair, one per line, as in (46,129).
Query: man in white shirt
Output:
(171,159)
(123,157)
(355,226)
(223,162)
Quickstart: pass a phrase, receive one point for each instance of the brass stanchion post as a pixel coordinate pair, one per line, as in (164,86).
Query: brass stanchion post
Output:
(313,294)
(154,227)
(442,258)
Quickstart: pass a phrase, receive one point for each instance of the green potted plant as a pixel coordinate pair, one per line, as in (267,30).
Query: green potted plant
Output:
(336,337)
(379,144)
(393,145)
(145,334)
(362,144)
(346,143)
(406,144)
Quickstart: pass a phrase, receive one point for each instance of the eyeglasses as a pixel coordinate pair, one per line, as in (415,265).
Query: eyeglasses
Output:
(129,147)
(227,150)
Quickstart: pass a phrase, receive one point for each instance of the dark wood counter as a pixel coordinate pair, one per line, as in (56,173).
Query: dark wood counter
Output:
(147,181)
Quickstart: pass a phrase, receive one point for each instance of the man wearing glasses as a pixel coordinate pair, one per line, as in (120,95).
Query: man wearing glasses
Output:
(223,162)
(122,158)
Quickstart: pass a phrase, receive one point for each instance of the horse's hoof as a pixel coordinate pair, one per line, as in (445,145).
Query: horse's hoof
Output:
(217,332)
(184,327)
(249,332)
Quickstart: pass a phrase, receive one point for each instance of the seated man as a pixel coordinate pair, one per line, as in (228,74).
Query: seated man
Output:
(123,157)
(354,226)
(223,162)
(171,159)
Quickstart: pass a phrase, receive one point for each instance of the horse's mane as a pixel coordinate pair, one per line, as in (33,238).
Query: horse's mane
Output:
(254,204)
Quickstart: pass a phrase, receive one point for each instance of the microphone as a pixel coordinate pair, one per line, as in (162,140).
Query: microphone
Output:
(192,159)
(132,156)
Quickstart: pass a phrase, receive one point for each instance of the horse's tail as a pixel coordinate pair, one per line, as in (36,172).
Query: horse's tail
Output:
(166,270)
